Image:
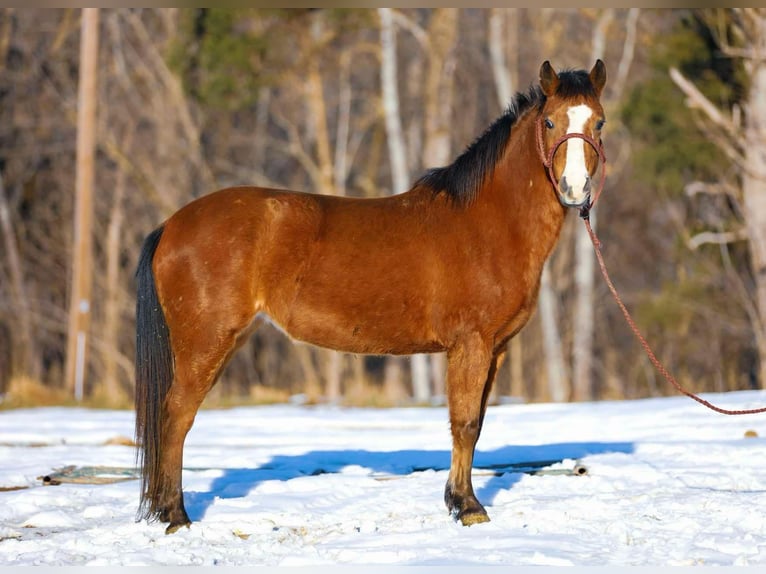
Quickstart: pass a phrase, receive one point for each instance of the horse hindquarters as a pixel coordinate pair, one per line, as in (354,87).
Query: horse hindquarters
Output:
(207,313)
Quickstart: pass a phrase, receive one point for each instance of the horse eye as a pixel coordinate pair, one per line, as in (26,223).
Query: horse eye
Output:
(548,124)
(600,124)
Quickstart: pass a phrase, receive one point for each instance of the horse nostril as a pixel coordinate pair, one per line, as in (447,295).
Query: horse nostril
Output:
(563,184)
(586,188)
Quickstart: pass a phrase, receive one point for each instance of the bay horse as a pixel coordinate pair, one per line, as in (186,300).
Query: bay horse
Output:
(453,265)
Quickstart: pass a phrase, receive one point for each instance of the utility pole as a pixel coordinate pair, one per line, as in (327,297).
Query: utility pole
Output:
(79,302)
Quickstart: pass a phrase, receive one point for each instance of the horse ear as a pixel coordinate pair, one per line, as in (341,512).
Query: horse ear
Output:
(598,76)
(549,80)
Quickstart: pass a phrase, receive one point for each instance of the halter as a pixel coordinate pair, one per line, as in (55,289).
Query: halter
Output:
(547,160)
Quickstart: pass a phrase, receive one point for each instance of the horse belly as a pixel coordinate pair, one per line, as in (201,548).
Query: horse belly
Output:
(357,312)
(372,331)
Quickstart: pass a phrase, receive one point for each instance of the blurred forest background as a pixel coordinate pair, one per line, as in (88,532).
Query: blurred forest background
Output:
(360,102)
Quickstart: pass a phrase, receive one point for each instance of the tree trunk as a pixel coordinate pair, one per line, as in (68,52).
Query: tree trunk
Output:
(397,151)
(516,366)
(754,180)
(80,303)
(22,346)
(496,40)
(111,383)
(439,84)
(550,31)
(438,96)
(501,42)
(400,176)
(584,308)
(312,388)
(554,354)
(315,101)
(582,341)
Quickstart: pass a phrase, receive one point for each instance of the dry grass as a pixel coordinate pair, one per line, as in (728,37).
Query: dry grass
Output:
(103,398)
(25,392)
(364,394)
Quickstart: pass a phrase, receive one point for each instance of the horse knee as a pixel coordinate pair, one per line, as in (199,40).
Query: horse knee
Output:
(465,431)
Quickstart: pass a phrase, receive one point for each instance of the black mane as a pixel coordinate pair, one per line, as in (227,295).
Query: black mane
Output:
(463,178)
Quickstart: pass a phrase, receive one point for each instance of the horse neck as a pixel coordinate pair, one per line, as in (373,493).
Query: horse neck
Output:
(520,190)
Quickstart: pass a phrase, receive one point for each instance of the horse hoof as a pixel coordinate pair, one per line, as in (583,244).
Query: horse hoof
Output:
(173,527)
(474,517)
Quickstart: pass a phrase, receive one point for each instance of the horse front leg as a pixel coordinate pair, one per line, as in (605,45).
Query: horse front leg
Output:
(471,370)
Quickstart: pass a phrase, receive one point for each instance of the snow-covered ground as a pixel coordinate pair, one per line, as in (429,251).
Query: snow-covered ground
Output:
(669,483)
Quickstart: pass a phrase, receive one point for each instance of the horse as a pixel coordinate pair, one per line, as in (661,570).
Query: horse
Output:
(452,265)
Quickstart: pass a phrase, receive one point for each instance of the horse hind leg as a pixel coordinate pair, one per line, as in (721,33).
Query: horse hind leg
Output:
(200,358)
(470,373)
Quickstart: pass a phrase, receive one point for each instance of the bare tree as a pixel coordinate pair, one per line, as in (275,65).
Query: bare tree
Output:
(554,349)
(503,40)
(438,98)
(325,169)
(399,175)
(397,150)
(113,300)
(741,138)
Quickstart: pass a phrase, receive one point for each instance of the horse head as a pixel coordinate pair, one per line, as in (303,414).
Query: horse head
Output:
(571,117)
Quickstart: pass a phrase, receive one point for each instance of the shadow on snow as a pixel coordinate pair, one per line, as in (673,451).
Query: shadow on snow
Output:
(507,463)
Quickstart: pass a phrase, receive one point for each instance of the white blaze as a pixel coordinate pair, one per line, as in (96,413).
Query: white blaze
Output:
(576,172)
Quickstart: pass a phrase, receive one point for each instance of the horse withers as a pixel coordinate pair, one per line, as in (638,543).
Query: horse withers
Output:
(453,265)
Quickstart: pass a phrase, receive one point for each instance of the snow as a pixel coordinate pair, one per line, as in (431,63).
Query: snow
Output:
(669,483)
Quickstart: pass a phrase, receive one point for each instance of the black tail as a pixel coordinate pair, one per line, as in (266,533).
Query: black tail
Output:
(154,374)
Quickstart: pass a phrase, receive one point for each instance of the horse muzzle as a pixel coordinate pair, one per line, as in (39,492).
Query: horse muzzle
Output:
(569,196)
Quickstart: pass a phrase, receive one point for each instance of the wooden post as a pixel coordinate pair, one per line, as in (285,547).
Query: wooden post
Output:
(79,302)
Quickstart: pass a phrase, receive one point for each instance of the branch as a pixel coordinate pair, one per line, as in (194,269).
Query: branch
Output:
(5,36)
(744,31)
(174,90)
(707,237)
(145,182)
(393,121)
(732,52)
(697,100)
(600,30)
(717,188)
(628,52)
(295,148)
(500,71)
(403,21)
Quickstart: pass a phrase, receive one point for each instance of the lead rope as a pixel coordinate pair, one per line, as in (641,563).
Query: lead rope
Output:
(585,215)
(655,361)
